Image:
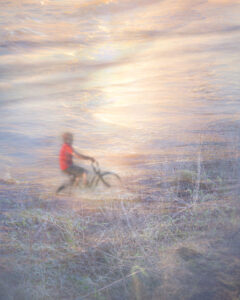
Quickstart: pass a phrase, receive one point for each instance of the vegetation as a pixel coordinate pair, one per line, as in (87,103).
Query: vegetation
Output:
(71,248)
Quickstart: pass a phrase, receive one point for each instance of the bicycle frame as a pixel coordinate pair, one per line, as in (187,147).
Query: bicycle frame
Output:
(98,175)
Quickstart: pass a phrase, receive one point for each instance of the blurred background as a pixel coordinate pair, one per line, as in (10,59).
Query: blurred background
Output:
(142,84)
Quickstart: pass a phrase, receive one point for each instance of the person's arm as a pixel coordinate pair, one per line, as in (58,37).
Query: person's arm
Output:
(81,156)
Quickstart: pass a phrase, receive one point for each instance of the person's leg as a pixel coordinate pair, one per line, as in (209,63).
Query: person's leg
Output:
(79,174)
(67,184)
(84,178)
(62,187)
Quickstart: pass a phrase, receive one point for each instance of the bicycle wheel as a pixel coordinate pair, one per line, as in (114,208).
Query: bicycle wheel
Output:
(108,179)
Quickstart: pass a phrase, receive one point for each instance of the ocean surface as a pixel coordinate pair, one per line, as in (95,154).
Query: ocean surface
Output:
(141,84)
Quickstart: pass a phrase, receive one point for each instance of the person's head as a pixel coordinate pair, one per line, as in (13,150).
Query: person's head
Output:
(67,138)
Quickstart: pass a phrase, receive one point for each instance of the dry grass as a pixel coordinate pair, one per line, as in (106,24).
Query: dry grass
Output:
(56,249)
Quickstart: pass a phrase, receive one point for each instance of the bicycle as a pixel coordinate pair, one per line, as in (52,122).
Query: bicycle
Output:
(107,179)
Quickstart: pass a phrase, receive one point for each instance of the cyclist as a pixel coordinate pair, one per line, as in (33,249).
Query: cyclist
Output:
(66,155)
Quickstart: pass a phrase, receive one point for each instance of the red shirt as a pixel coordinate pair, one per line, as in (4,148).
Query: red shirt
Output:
(65,156)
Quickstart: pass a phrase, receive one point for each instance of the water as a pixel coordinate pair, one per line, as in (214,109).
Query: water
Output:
(139,83)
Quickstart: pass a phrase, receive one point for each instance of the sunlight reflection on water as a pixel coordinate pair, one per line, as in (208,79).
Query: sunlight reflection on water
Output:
(132,80)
